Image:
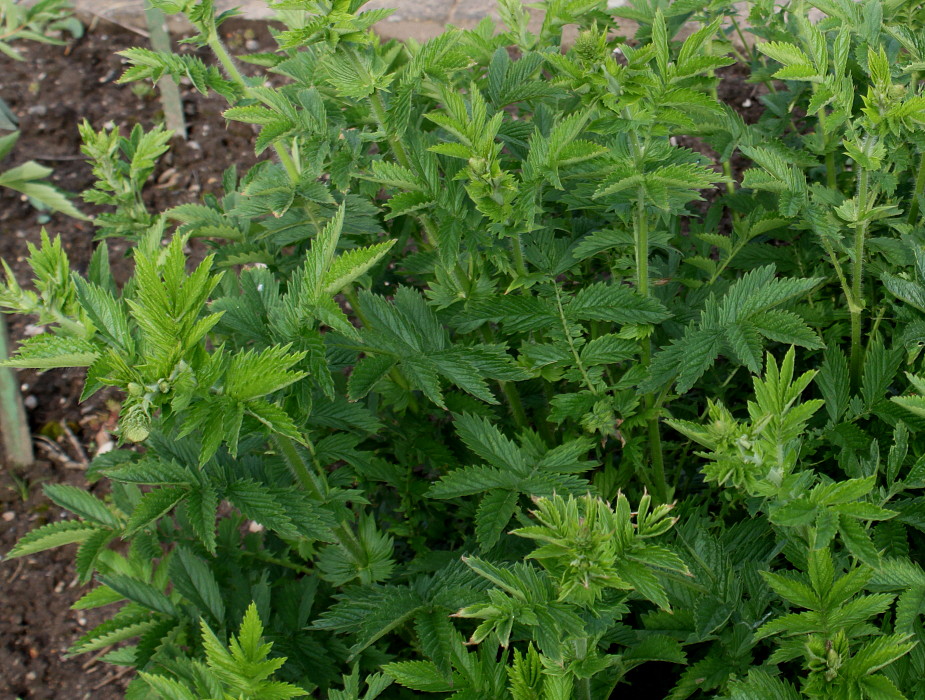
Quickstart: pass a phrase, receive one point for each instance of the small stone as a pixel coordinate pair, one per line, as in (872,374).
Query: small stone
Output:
(33,330)
(746,103)
(31,402)
(38,110)
(255,527)
(8,516)
(251,45)
(107,446)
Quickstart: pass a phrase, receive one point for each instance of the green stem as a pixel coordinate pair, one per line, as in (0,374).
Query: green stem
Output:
(513,400)
(517,249)
(918,191)
(745,45)
(568,337)
(303,475)
(656,457)
(727,165)
(857,278)
(584,684)
(401,155)
(260,556)
(511,395)
(298,467)
(218,48)
(830,251)
(830,178)
(379,112)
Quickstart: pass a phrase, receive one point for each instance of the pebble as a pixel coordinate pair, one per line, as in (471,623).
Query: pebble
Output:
(33,330)
(31,402)
(38,110)
(8,516)
(746,103)
(251,45)
(255,527)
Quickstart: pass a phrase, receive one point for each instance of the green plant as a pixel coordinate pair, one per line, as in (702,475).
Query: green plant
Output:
(473,304)
(29,179)
(35,22)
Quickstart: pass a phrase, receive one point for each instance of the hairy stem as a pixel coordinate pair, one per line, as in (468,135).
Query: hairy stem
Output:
(568,337)
(377,105)
(517,249)
(298,467)
(300,470)
(221,53)
(917,191)
(656,457)
(857,278)
(584,684)
(509,389)
(269,559)
(830,180)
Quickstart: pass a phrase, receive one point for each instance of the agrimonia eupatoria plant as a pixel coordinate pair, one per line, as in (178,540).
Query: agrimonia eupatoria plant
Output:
(523,384)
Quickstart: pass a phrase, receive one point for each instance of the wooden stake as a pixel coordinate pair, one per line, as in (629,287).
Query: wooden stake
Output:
(170,93)
(14,428)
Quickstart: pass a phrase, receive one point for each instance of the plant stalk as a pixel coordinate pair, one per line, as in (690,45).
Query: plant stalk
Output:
(401,155)
(917,191)
(517,248)
(656,457)
(584,684)
(511,395)
(221,53)
(856,308)
(297,465)
(568,338)
(303,475)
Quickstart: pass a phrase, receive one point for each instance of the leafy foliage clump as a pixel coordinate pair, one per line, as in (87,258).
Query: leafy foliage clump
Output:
(515,365)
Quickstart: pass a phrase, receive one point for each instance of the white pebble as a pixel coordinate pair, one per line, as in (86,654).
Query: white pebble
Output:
(31,402)
(8,516)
